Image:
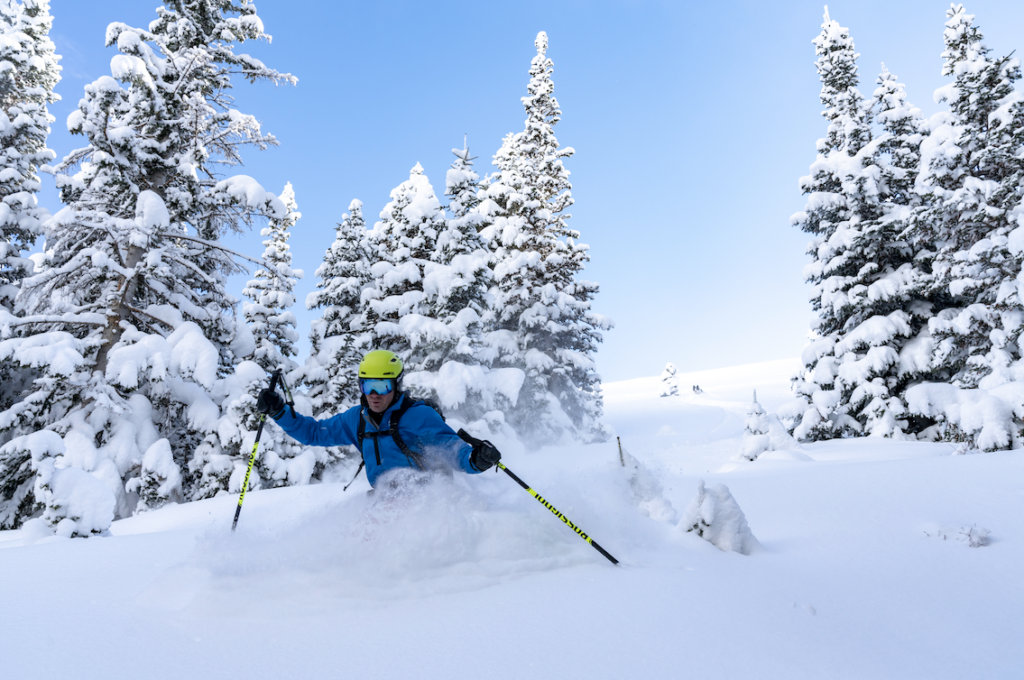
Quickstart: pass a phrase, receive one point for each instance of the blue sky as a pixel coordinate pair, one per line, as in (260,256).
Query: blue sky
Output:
(692,123)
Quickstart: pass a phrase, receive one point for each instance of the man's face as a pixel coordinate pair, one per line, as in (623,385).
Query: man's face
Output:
(380,402)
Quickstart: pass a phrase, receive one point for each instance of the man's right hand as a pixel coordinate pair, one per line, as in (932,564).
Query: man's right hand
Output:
(270,403)
(484,455)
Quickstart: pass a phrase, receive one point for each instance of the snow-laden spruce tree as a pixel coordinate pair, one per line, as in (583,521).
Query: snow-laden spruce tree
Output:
(972,174)
(867,287)
(131,312)
(462,281)
(453,363)
(337,337)
(457,279)
(271,294)
(29,74)
(269,318)
(832,214)
(541,306)
(399,315)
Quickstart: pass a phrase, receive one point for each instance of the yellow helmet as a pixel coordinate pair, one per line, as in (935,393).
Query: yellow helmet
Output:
(380,363)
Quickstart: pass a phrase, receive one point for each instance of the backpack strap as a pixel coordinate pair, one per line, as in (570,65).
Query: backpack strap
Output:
(361,433)
(414,457)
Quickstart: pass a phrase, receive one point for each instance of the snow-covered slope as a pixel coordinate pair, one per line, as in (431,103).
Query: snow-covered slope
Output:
(864,568)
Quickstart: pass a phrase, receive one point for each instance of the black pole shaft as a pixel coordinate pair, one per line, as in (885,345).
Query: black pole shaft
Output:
(559,515)
(252,457)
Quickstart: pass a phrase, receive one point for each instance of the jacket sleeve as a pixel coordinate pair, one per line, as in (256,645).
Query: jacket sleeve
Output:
(339,430)
(433,436)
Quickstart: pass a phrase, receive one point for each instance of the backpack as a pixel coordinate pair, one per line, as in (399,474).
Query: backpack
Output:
(392,431)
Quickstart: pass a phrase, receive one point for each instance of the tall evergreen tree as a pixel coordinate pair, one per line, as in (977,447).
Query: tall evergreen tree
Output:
(399,315)
(889,294)
(337,337)
(843,195)
(27,81)
(26,88)
(539,301)
(133,300)
(461,281)
(972,176)
(271,294)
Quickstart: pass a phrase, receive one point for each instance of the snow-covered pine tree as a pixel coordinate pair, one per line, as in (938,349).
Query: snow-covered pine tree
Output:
(271,294)
(132,303)
(27,81)
(462,186)
(540,304)
(891,292)
(458,280)
(26,88)
(843,196)
(669,381)
(268,316)
(402,245)
(337,338)
(972,173)
(876,266)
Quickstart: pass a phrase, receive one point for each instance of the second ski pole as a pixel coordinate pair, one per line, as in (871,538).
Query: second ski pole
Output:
(252,458)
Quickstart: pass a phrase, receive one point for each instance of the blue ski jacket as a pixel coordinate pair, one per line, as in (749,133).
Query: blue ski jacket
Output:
(421,428)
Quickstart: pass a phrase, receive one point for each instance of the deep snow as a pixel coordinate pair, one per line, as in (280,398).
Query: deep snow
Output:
(861,571)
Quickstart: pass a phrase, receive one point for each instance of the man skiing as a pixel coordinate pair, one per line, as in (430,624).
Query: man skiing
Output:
(391,430)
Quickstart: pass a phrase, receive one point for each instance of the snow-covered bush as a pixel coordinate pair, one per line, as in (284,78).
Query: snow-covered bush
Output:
(715,516)
(648,493)
(74,502)
(159,480)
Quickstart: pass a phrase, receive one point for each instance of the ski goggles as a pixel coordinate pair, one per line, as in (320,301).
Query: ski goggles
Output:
(380,386)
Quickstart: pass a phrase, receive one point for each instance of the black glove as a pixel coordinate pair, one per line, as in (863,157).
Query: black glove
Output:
(270,403)
(484,455)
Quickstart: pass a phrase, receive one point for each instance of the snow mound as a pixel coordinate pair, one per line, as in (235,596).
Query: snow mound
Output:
(716,517)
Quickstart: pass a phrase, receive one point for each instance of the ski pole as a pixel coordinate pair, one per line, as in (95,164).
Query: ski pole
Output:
(275,376)
(558,514)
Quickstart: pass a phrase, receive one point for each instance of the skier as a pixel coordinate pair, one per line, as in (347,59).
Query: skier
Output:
(390,429)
